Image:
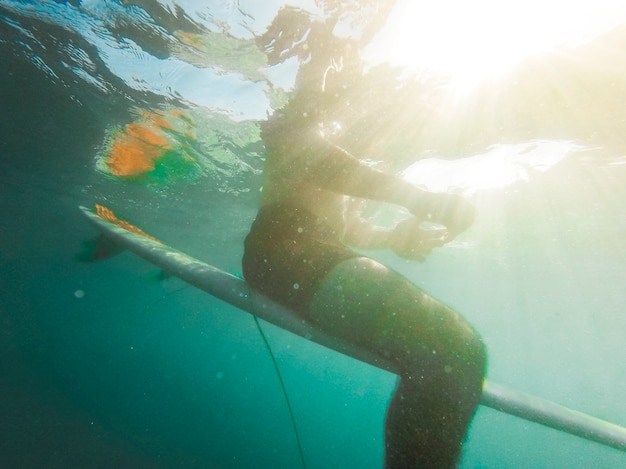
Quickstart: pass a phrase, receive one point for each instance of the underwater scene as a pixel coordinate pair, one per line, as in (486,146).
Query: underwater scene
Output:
(154,113)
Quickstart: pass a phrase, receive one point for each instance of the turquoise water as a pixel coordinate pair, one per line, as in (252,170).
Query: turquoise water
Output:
(111,364)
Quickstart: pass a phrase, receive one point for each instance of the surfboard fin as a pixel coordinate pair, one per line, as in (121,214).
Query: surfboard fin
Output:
(98,249)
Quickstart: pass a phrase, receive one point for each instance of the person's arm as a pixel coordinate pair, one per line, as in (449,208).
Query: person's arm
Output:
(335,169)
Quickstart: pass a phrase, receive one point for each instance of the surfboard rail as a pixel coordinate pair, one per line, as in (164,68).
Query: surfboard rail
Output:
(236,291)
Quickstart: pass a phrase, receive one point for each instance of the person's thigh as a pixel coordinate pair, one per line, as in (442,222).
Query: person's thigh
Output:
(367,304)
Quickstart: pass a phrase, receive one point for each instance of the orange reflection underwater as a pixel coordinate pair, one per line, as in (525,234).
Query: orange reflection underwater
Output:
(136,149)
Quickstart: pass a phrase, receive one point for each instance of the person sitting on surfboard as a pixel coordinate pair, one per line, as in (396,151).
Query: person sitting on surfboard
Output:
(297,252)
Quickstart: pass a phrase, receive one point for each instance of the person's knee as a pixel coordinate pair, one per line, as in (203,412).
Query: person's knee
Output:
(465,349)
(466,370)
(464,364)
(475,357)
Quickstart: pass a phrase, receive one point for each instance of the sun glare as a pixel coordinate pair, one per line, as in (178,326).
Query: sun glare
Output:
(471,41)
(500,166)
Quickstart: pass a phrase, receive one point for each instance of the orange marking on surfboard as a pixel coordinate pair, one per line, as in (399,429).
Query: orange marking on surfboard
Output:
(108,215)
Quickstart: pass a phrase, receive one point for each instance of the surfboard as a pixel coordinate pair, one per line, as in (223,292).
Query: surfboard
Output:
(236,291)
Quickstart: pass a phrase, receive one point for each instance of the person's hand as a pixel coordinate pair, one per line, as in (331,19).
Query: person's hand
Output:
(450,210)
(412,241)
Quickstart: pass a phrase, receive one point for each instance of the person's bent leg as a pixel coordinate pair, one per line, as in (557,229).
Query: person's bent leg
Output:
(441,358)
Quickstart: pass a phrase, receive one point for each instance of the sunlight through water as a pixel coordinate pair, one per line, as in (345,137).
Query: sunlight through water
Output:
(471,41)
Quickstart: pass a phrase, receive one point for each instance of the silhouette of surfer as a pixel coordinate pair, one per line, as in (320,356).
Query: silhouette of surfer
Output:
(297,251)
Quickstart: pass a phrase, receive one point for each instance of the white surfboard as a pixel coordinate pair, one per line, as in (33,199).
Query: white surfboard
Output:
(235,291)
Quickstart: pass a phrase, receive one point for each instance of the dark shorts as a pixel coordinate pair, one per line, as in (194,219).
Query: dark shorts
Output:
(287,254)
